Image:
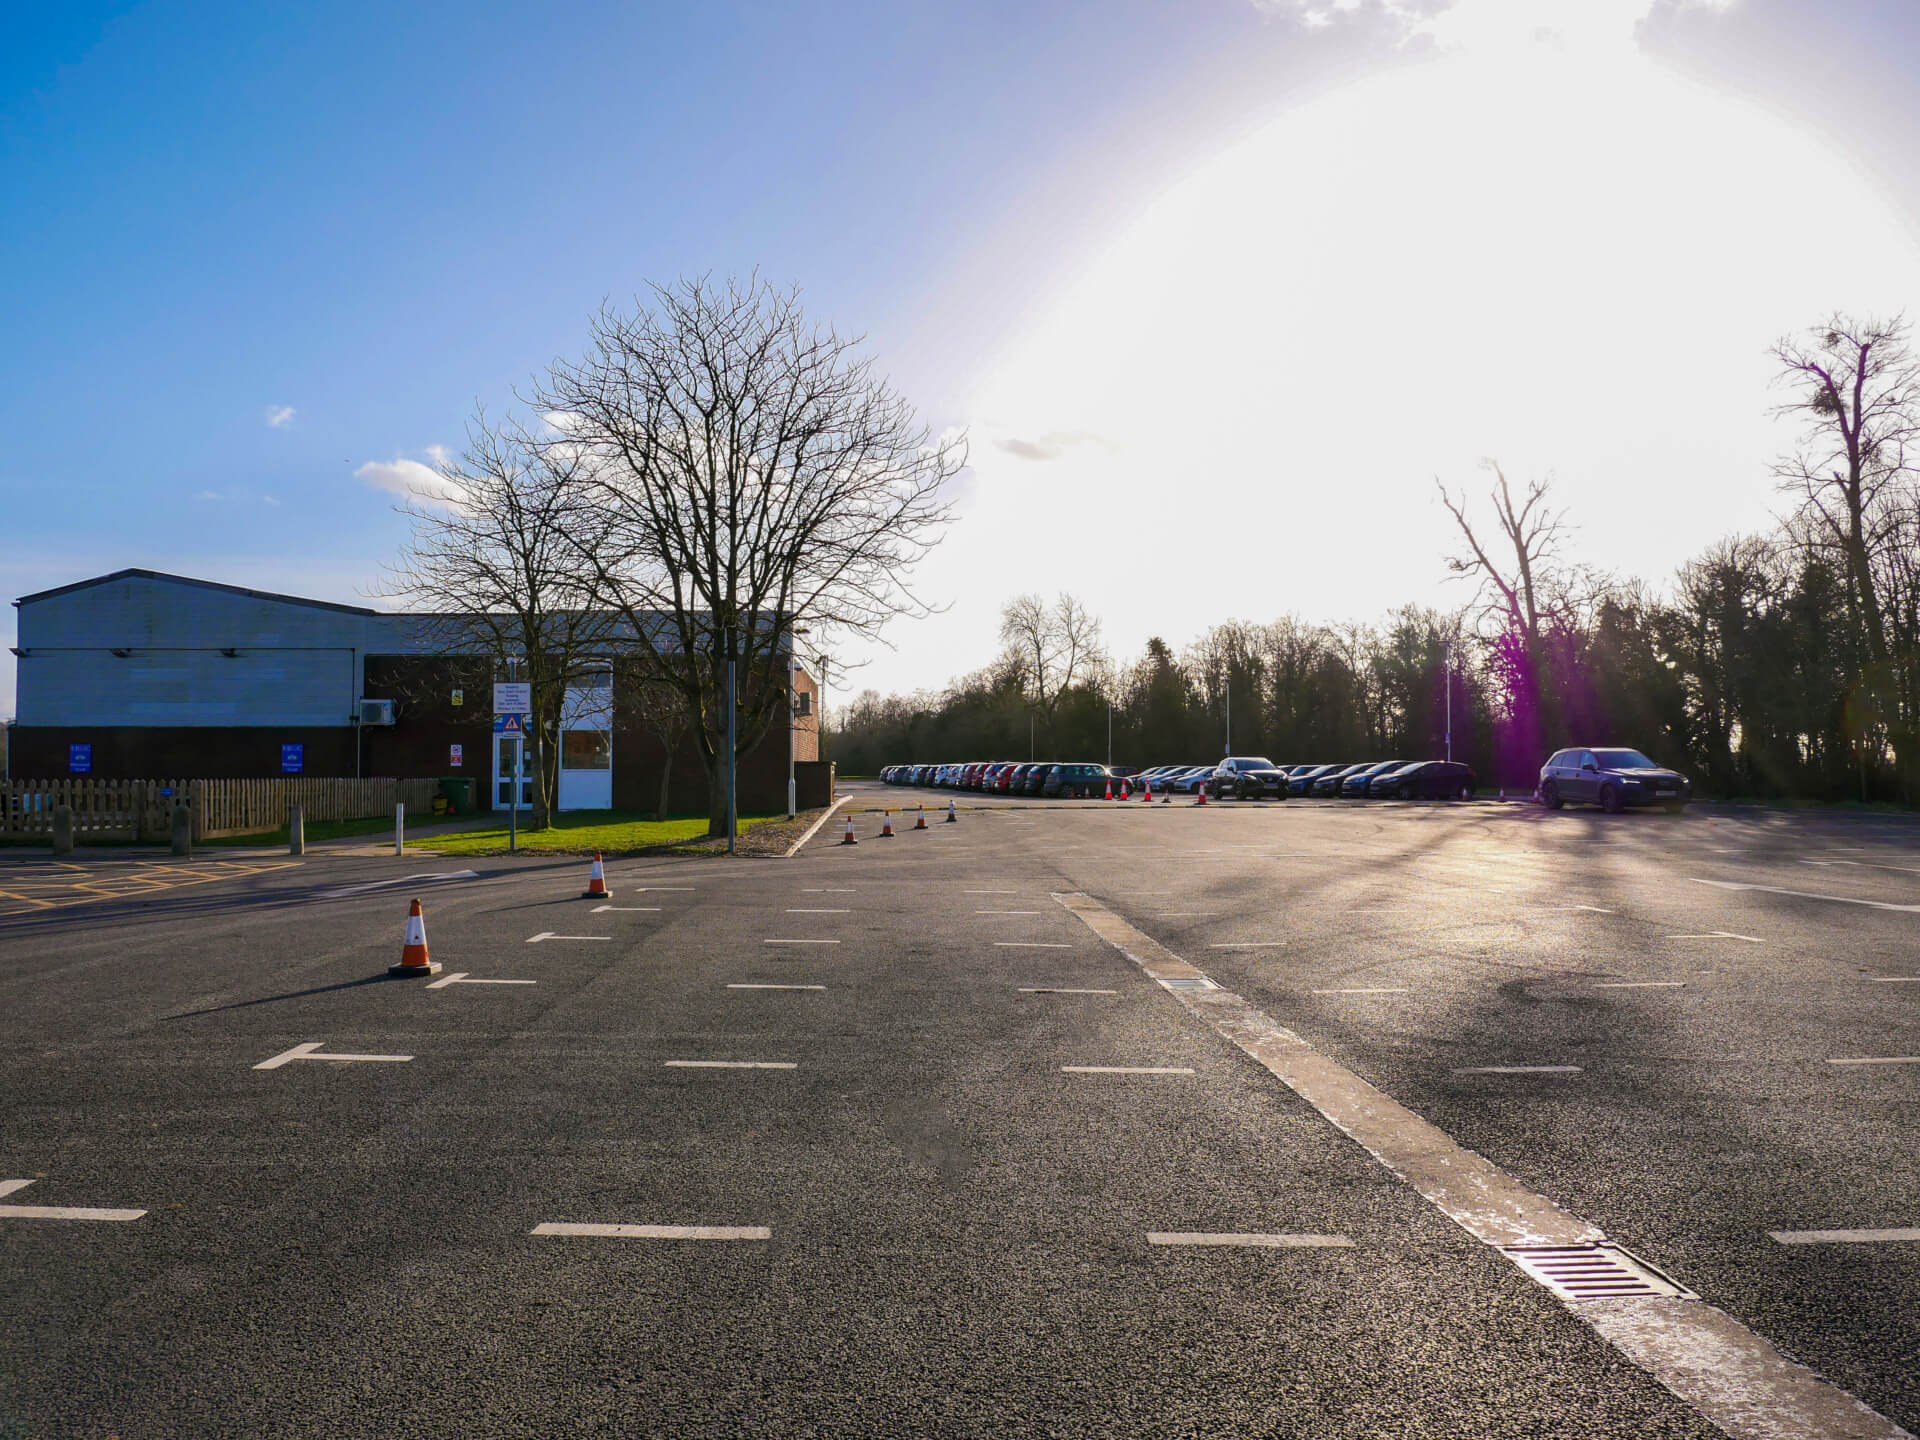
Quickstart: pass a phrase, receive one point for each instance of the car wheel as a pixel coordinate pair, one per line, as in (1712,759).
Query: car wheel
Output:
(1550,796)
(1405,792)
(1610,799)
(1674,807)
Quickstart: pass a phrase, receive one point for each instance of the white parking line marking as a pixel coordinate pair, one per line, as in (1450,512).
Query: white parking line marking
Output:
(1843,1237)
(819,912)
(1032,945)
(1517,1070)
(1639,984)
(1896,979)
(740,986)
(549,935)
(1251,945)
(989,892)
(1125,1070)
(1376,990)
(462,977)
(799,942)
(730,1064)
(1596,909)
(311,1051)
(1006,912)
(650,889)
(343,891)
(56,1212)
(656,1232)
(829,890)
(1277,1242)
(1059,990)
(1705,1357)
(1717,935)
(1807,895)
(1880,1060)
(619,910)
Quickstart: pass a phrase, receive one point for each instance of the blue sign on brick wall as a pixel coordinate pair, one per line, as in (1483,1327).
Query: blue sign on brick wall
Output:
(79,759)
(293,759)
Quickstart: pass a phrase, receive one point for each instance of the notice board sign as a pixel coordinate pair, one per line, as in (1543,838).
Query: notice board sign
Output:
(456,755)
(293,759)
(79,759)
(513,697)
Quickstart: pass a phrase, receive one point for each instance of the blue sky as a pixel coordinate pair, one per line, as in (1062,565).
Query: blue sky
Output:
(370,216)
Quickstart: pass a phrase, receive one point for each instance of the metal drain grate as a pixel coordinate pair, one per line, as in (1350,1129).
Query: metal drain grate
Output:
(1188,982)
(1594,1272)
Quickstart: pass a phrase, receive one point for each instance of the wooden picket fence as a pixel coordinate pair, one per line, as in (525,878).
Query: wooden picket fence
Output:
(134,812)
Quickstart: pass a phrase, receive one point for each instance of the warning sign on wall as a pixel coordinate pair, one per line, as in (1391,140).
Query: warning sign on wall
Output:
(454,756)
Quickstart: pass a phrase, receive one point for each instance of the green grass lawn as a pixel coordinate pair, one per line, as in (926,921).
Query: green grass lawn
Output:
(613,832)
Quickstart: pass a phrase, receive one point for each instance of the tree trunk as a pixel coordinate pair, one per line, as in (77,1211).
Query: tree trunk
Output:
(717,798)
(666,782)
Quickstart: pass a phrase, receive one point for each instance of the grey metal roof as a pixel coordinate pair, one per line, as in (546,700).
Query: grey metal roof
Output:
(198,584)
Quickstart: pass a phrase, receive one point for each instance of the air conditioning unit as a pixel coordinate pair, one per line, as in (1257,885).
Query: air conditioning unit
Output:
(376,712)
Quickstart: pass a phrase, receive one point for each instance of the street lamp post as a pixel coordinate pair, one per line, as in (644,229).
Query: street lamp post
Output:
(1446,649)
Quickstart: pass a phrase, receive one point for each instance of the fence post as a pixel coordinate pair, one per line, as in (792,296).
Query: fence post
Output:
(63,829)
(182,830)
(296,832)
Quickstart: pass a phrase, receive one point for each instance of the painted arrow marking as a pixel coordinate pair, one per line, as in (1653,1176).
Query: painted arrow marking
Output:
(56,1212)
(311,1051)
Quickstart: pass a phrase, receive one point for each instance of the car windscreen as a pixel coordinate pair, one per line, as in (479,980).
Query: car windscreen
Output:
(1623,760)
(1255,763)
(1407,769)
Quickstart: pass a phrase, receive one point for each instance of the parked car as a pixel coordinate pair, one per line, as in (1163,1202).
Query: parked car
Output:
(1159,776)
(1301,780)
(1247,777)
(1037,777)
(1327,782)
(1426,780)
(1356,786)
(1189,779)
(1612,778)
(1083,781)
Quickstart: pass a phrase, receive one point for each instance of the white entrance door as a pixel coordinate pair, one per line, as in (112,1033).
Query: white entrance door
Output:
(586,746)
(505,749)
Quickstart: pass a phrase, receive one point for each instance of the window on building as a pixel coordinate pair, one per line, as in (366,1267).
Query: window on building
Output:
(586,750)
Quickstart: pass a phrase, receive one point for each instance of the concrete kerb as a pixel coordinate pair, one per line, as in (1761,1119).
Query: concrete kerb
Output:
(814,829)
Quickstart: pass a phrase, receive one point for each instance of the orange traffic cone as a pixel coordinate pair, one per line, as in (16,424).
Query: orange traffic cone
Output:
(849,840)
(1203,795)
(1109,787)
(886,825)
(596,881)
(952,814)
(921,823)
(413,953)
(1146,792)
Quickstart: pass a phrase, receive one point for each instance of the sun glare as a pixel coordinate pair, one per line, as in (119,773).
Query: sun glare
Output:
(1554,252)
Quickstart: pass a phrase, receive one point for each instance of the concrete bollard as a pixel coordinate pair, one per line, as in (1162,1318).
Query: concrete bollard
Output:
(400,828)
(63,830)
(296,832)
(182,830)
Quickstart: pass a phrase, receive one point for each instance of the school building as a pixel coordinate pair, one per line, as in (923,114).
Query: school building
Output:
(142,675)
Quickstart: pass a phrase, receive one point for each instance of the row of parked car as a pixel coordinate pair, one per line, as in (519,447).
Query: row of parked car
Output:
(1239,777)
(1611,777)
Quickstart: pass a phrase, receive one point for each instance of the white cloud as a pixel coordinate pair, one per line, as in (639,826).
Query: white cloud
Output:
(1483,26)
(206,494)
(412,480)
(279,415)
(269,500)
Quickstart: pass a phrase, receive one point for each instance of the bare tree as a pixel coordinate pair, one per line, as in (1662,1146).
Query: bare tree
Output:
(662,708)
(493,571)
(1050,647)
(754,475)
(1525,581)
(1856,383)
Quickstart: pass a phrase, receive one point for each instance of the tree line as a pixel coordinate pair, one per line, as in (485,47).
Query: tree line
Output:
(1777,665)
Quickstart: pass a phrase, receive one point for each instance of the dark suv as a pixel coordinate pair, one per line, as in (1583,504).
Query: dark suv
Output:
(1247,777)
(1612,779)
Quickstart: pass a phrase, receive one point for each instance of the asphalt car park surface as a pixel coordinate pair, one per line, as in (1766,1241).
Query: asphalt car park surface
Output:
(956,1226)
